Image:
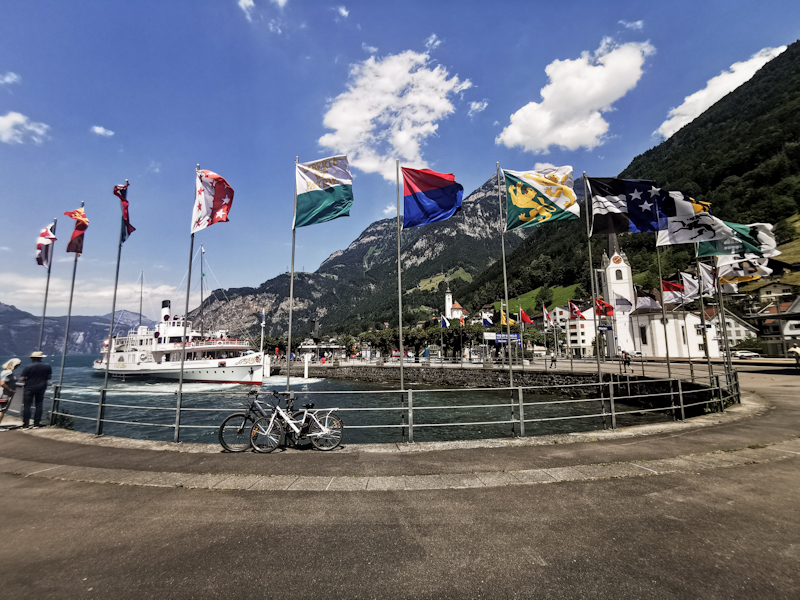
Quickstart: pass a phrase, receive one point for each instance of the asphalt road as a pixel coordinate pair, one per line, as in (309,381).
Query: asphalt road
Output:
(726,532)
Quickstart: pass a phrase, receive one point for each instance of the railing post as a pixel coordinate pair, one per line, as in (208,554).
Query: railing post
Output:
(54,406)
(611,402)
(680,399)
(721,399)
(672,399)
(177,437)
(410,417)
(738,389)
(98,430)
(521,414)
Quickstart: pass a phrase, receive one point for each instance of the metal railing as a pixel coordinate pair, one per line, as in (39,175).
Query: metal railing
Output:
(599,403)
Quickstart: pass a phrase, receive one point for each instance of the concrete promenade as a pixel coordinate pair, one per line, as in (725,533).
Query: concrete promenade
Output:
(708,509)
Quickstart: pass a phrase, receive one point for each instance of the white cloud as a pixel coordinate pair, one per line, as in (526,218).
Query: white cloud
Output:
(432,42)
(391,209)
(369,49)
(579,90)
(543,165)
(390,108)
(15,128)
(343,12)
(9,78)
(275,26)
(5,248)
(476,107)
(716,87)
(101,131)
(632,24)
(280,3)
(153,167)
(248,6)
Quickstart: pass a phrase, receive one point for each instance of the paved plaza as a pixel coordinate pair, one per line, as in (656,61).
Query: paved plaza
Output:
(706,508)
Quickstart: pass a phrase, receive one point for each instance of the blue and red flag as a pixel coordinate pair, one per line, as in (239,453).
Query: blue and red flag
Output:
(429,196)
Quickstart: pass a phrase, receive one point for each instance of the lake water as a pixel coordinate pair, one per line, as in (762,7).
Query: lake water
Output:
(152,403)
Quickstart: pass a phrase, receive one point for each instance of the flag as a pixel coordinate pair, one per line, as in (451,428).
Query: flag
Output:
(525,318)
(691,288)
(324,191)
(623,304)
(624,205)
(445,323)
(429,196)
(487,322)
(503,319)
(462,320)
(575,312)
(740,271)
(121,192)
(756,239)
(213,200)
(81,224)
(534,197)
(672,292)
(547,318)
(44,246)
(708,279)
(645,300)
(603,309)
(684,220)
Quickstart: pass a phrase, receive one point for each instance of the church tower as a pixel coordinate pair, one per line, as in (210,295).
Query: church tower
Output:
(448,303)
(617,286)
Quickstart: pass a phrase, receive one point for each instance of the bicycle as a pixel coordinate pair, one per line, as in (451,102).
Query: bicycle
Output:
(234,433)
(321,427)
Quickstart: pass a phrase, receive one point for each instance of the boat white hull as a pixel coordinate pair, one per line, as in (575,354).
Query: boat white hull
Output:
(246,370)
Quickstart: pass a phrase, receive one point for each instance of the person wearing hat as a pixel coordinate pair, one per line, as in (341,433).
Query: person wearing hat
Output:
(8,385)
(35,375)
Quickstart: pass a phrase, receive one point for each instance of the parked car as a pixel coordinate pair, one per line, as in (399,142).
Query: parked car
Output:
(636,354)
(745,354)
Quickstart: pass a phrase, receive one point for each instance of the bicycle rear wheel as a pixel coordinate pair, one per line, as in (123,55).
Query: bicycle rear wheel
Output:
(266,435)
(330,439)
(234,433)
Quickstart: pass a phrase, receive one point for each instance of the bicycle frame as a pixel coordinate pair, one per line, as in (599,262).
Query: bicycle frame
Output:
(296,425)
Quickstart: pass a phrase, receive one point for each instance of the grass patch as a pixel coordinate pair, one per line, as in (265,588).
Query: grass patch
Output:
(527,301)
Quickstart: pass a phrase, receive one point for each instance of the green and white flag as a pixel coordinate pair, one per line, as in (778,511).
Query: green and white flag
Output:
(324,191)
(755,239)
(535,197)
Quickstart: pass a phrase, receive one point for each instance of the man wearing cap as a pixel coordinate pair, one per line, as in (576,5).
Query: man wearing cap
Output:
(35,376)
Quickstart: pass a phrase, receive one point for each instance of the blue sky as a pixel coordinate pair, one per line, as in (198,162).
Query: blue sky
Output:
(96,92)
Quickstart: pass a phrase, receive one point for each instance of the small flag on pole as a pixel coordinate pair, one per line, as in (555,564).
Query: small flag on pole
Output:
(524,316)
(462,320)
(575,312)
(44,246)
(81,224)
(684,220)
(673,292)
(429,196)
(121,192)
(511,321)
(213,200)
(756,240)
(603,309)
(487,322)
(623,304)
(445,323)
(624,205)
(534,197)
(324,191)
(645,300)
(547,318)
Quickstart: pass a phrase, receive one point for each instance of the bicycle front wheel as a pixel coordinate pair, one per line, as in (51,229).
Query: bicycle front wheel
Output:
(234,433)
(330,438)
(266,435)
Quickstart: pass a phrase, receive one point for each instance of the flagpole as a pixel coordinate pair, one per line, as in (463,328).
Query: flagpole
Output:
(726,343)
(66,337)
(703,315)
(505,279)
(588,205)
(183,339)
(141,296)
(291,284)
(202,275)
(47,286)
(100,405)
(664,312)
(399,278)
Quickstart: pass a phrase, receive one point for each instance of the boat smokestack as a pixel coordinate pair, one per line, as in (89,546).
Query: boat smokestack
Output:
(165,306)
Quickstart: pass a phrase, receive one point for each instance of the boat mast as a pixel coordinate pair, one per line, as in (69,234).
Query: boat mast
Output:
(141,295)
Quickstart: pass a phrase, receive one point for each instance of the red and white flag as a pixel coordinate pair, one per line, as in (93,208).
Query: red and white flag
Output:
(575,312)
(547,318)
(44,246)
(673,293)
(212,202)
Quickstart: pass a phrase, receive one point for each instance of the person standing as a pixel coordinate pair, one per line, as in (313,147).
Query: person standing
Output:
(35,375)
(8,385)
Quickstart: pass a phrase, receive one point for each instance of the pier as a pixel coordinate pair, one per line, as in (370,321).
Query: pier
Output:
(704,508)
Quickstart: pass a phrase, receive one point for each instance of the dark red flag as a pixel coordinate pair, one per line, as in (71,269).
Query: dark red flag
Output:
(121,192)
(81,224)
